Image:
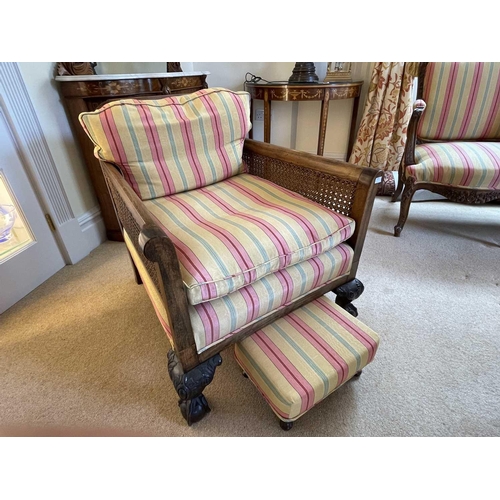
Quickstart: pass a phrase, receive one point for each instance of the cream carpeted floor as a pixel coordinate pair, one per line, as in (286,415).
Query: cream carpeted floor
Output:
(84,354)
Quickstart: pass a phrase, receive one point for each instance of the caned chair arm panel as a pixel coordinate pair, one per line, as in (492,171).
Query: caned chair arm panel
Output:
(346,188)
(158,254)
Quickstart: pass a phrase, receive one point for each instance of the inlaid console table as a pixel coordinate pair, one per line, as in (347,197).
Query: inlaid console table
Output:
(324,92)
(88,92)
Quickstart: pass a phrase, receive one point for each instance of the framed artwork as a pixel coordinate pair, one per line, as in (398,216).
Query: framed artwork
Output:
(338,72)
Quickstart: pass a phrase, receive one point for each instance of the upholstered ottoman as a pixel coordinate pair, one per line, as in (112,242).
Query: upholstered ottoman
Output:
(300,359)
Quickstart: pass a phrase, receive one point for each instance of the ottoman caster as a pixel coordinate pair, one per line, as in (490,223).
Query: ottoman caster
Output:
(358,374)
(244,374)
(286,426)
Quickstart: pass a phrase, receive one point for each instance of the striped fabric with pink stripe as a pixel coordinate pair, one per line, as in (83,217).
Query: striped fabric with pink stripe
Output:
(463,101)
(215,320)
(300,359)
(230,234)
(175,144)
(462,164)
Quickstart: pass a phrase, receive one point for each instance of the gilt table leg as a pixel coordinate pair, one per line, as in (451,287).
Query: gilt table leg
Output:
(323,121)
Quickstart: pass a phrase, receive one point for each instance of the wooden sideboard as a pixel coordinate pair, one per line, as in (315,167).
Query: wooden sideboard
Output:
(88,92)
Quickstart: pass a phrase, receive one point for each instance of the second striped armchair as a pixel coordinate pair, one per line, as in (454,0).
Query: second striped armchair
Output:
(453,145)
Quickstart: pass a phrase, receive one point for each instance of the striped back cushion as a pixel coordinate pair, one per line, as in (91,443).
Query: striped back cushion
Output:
(173,144)
(463,101)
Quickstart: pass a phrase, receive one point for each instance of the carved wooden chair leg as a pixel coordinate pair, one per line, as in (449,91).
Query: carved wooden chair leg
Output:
(286,426)
(190,385)
(348,292)
(399,188)
(408,193)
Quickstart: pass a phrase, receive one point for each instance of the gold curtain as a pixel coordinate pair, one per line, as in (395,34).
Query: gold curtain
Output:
(381,138)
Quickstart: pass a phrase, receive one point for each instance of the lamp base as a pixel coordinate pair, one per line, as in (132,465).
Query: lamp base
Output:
(304,72)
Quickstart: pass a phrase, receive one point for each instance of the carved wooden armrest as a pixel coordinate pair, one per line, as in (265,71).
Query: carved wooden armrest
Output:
(411,141)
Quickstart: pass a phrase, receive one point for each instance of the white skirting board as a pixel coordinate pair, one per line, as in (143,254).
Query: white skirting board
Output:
(93,229)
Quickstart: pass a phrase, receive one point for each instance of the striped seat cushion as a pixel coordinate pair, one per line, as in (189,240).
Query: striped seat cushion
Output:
(215,320)
(463,101)
(236,231)
(174,144)
(461,164)
(300,359)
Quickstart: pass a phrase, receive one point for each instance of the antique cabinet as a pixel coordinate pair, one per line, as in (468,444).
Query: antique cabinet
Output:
(88,92)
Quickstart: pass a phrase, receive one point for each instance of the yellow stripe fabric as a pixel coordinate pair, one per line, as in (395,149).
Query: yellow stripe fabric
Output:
(174,144)
(463,101)
(300,359)
(236,231)
(462,164)
(215,320)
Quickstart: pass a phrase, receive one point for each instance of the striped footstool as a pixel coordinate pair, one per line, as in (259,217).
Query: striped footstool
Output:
(300,359)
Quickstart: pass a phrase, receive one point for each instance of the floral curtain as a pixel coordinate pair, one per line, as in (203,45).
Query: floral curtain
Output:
(382,132)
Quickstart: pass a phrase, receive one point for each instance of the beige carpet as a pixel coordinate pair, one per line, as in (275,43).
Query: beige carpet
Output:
(84,353)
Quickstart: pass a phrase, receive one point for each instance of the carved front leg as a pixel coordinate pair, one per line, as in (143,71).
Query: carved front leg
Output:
(409,191)
(348,292)
(190,385)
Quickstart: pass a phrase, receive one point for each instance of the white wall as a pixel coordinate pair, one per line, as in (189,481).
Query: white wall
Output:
(39,80)
(293,125)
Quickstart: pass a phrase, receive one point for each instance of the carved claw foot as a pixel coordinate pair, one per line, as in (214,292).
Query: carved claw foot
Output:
(348,292)
(190,385)
(286,426)
(351,309)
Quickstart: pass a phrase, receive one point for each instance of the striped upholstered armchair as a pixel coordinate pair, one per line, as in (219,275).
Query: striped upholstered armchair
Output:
(226,234)
(453,145)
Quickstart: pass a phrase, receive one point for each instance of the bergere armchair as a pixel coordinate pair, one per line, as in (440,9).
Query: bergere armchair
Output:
(453,146)
(226,234)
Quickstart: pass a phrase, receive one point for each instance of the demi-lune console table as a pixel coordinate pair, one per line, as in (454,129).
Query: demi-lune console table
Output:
(88,92)
(324,92)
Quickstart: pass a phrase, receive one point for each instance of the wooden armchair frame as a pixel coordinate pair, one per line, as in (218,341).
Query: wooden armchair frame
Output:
(470,196)
(346,188)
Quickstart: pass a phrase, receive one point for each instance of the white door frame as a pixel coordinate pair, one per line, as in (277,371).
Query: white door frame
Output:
(40,165)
